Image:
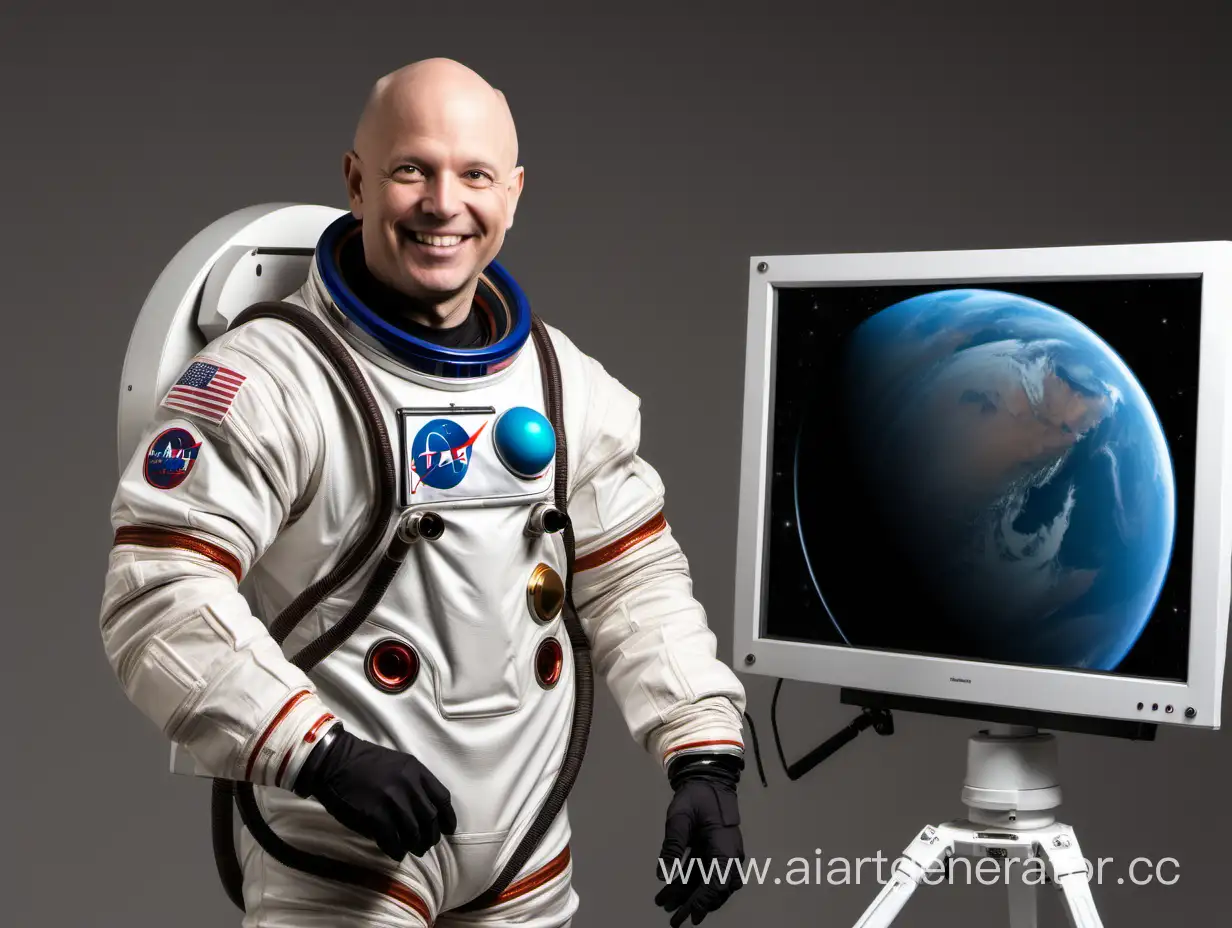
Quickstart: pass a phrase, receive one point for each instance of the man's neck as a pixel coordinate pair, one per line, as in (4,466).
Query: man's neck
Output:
(445,315)
(450,323)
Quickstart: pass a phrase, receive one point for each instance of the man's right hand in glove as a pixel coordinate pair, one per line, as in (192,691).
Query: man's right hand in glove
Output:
(382,794)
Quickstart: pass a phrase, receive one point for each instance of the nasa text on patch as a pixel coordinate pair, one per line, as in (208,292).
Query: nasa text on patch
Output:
(440,454)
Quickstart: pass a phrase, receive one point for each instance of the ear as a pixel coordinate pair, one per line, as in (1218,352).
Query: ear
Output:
(353,177)
(514,192)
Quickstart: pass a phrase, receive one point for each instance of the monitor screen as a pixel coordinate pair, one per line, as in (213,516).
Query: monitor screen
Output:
(999,473)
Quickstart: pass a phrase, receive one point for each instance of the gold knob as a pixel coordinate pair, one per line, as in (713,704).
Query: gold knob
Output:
(545,593)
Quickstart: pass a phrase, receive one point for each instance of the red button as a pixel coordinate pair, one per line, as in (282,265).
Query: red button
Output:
(549,660)
(391,665)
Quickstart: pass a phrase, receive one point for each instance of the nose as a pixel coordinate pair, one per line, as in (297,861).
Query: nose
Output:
(443,196)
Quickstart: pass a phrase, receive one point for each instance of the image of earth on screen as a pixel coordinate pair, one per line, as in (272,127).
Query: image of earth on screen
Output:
(998,472)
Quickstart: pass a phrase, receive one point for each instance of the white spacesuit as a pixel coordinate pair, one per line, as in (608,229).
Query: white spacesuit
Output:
(262,466)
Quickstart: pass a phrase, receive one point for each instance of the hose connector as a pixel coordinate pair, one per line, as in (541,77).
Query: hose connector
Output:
(418,524)
(545,518)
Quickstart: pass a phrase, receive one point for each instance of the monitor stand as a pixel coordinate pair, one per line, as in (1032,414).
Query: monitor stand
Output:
(1011,792)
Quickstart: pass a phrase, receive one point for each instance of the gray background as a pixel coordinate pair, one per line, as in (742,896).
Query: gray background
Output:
(662,150)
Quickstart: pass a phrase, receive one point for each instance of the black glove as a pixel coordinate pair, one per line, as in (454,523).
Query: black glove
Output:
(382,794)
(703,819)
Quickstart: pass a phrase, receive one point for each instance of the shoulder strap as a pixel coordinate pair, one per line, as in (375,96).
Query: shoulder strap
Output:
(382,511)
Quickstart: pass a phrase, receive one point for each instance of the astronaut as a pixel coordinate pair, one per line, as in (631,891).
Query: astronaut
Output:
(381,457)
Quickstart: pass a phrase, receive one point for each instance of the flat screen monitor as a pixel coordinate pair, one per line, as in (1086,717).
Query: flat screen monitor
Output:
(997,477)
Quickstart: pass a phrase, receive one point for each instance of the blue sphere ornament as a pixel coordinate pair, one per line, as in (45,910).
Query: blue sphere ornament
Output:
(525,441)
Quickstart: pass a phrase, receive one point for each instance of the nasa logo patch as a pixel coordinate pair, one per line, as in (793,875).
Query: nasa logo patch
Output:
(440,454)
(170,458)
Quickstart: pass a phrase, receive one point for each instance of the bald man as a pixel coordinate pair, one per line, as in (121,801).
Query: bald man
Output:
(440,506)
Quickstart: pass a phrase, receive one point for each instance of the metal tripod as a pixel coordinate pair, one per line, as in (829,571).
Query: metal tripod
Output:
(1011,793)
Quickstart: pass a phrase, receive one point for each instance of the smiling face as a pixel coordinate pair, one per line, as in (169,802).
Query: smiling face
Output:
(434,179)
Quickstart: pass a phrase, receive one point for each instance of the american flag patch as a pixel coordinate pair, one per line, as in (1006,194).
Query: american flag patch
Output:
(205,390)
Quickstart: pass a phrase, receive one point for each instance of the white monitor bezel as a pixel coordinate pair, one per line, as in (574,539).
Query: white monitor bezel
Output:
(1049,690)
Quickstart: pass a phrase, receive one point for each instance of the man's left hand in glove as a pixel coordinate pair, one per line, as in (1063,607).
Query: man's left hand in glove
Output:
(704,820)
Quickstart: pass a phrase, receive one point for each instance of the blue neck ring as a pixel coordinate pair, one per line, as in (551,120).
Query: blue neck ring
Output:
(416,353)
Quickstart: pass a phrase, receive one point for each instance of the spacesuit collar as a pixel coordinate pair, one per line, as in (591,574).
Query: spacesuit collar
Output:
(498,297)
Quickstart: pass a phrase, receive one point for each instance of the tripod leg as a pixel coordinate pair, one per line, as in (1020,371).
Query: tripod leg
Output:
(1069,872)
(1023,910)
(929,847)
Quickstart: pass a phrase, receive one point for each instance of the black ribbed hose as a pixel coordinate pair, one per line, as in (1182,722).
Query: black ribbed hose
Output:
(583,672)
(222,797)
(224,791)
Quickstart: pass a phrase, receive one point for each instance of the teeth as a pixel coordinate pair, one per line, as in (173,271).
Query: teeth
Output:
(438,240)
